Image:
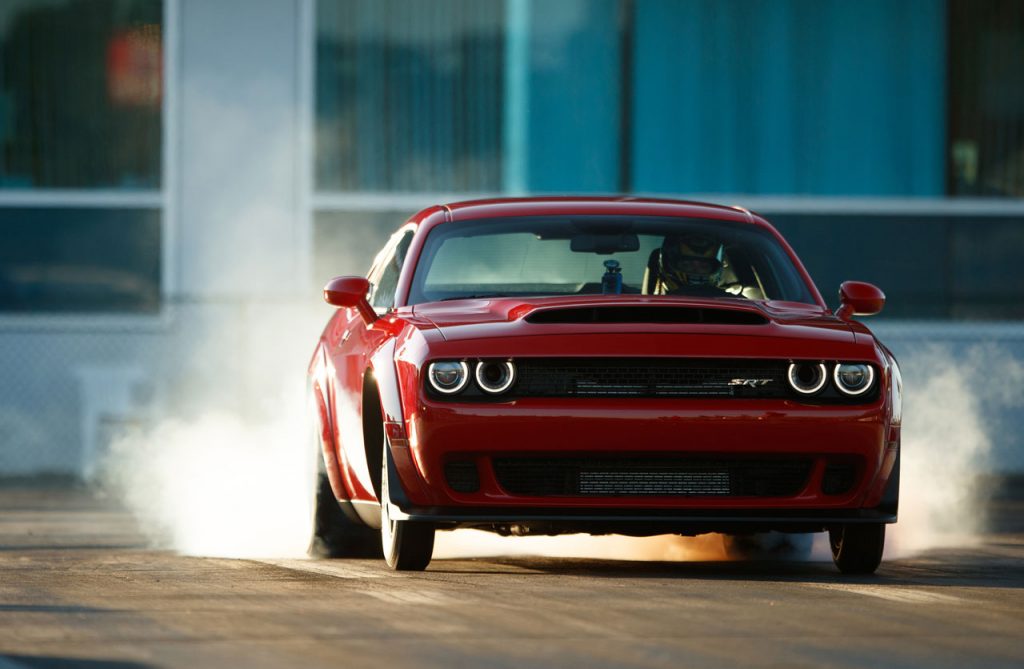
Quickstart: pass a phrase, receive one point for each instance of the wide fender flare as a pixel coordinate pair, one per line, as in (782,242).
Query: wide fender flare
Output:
(320,400)
(402,468)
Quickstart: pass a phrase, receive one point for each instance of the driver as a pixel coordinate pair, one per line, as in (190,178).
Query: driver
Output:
(691,264)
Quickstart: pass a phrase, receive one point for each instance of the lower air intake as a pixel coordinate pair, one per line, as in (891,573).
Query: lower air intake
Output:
(839,478)
(685,477)
(462,476)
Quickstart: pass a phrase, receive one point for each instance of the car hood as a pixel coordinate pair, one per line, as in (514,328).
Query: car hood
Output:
(458,320)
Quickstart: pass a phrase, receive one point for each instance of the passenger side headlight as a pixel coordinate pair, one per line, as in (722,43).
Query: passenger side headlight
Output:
(448,377)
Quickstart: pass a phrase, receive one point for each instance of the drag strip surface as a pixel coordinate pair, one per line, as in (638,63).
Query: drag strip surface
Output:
(78,587)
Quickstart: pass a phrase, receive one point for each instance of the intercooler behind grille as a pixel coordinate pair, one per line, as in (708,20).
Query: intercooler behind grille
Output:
(650,476)
(610,484)
(651,378)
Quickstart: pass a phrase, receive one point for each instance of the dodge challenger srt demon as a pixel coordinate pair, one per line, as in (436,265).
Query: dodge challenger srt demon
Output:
(599,365)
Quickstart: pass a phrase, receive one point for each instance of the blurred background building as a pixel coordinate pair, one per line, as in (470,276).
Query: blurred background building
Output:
(178,177)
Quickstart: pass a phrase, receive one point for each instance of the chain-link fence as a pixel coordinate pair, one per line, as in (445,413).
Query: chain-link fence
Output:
(67,390)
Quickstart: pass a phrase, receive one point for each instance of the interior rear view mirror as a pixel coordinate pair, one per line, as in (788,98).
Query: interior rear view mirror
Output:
(604,243)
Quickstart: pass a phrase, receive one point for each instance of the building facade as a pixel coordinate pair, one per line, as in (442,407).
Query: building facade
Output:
(177,177)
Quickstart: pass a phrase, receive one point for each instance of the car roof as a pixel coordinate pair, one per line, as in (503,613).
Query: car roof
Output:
(594,206)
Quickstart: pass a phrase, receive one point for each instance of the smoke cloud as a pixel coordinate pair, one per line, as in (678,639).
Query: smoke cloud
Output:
(947,442)
(218,485)
(223,484)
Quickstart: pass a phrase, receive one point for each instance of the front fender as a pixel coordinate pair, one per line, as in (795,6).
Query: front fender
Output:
(390,386)
(319,389)
(884,492)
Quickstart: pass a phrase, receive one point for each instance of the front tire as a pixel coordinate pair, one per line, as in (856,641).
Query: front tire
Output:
(407,545)
(857,549)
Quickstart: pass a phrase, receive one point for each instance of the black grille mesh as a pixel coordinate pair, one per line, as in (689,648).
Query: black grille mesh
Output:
(651,378)
(462,476)
(839,478)
(610,477)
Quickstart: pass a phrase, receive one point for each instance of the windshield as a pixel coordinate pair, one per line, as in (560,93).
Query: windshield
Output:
(546,256)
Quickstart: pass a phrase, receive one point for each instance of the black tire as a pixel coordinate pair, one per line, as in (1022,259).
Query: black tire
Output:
(407,545)
(335,535)
(857,549)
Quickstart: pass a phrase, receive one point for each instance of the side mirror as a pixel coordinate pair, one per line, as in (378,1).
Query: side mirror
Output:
(350,292)
(857,298)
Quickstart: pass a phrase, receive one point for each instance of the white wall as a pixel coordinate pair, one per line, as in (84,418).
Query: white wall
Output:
(241,226)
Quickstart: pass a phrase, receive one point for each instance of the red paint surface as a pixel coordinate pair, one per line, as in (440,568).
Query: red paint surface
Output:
(397,347)
(860,299)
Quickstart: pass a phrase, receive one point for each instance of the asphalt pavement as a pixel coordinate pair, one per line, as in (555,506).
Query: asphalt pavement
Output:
(80,588)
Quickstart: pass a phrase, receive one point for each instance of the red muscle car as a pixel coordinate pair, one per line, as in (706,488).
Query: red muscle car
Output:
(599,365)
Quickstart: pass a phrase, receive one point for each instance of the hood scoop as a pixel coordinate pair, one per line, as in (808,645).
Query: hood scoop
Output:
(647,314)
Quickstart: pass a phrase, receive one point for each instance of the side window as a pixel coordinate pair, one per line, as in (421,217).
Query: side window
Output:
(385,276)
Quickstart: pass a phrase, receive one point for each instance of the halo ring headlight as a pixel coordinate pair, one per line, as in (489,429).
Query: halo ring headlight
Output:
(495,377)
(802,386)
(843,372)
(448,377)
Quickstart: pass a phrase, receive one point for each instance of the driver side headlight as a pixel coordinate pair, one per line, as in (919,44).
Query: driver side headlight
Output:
(853,378)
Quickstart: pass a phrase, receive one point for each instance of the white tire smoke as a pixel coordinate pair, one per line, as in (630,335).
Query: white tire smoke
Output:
(223,486)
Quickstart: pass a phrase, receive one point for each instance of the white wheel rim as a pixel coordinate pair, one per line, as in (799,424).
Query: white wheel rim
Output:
(387,525)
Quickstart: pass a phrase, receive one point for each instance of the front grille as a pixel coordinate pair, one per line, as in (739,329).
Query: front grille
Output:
(651,378)
(650,476)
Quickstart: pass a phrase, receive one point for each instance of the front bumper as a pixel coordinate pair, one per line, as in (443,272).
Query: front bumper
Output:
(441,432)
(646,523)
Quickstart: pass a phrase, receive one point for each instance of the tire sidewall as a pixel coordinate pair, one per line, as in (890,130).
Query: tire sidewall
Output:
(857,549)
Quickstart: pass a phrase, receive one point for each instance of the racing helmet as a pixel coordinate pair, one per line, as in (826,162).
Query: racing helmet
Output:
(690,260)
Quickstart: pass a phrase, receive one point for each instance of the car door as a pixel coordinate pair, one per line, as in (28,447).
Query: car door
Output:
(350,353)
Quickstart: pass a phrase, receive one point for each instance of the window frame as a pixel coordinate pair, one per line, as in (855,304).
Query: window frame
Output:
(161,199)
(385,261)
